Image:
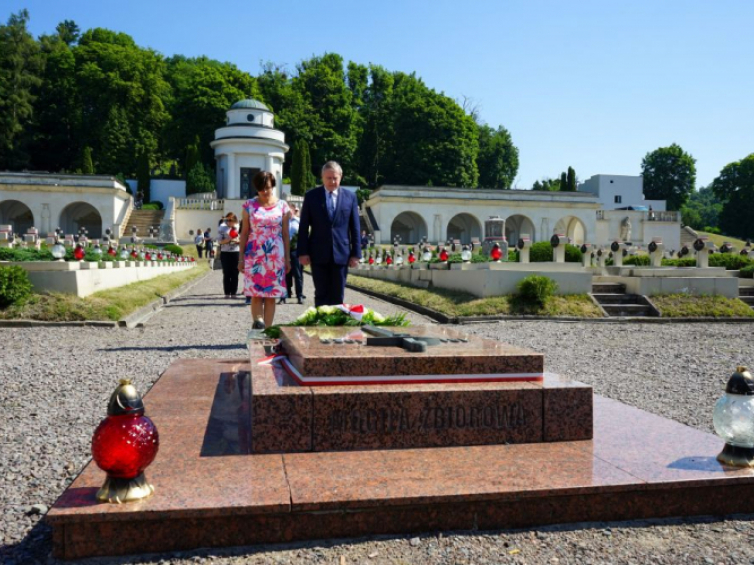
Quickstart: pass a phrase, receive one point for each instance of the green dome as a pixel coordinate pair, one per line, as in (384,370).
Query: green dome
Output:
(249,104)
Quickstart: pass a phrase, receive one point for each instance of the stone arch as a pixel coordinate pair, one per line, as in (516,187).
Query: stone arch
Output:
(572,227)
(16,214)
(519,224)
(465,227)
(79,215)
(410,226)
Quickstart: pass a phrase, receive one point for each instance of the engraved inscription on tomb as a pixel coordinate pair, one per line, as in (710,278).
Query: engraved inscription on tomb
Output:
(510,416)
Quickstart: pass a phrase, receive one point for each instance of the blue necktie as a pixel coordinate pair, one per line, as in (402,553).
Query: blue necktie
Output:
(330,205)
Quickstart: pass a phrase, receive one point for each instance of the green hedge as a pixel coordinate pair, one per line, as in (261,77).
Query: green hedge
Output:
(748,272)
(25,254)
(172,248)
(541,252)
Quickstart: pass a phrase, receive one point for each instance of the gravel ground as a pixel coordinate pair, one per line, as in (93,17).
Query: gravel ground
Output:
(56,382)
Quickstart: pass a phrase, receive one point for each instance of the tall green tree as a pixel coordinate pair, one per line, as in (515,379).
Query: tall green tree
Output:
(434,141)
(202,91)
(87,166)
(547,184)
(498,158)
(192,156)
(321,81)
(669,173)
(199,180)
(563,181)
(702,209)
(374,148)
(571,180)
(735,187)
(119,81)
(144,175)
(299,177)
(20,67)
(57,136)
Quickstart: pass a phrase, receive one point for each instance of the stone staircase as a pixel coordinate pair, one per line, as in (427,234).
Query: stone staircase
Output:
(746,294)
(614,301)
(142,220)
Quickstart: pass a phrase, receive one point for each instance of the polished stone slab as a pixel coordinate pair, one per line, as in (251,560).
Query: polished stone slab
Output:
(289,418)
(638,465)
(464,355)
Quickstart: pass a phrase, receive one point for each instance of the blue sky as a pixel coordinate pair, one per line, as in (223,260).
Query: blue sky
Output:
(593,84)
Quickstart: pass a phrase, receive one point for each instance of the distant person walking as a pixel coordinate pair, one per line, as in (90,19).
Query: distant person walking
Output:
(266,249)
(199,242)
(294,278)
(228,239)
(209,245)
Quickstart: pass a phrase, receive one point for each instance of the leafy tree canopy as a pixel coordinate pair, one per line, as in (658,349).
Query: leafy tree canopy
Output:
(735,187)
(669,174)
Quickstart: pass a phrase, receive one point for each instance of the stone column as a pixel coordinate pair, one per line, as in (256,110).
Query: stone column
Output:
(233,190)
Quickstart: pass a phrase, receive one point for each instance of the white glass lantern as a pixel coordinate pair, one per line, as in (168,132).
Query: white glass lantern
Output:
(123,255)
(97,250)
(426,255)
(378,259)
(466,254)
(399,260)
(58,251)
(733,419)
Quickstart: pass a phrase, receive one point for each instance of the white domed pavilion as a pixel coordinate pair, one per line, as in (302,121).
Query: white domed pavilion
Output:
(247,144)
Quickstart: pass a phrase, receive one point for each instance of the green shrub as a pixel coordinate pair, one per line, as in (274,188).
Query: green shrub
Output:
(541,252)
(152,206)
(638,260)
(173,248)
(747,272)
(732,262)
(536,289)
(15,286)
(25,254)
(684,262)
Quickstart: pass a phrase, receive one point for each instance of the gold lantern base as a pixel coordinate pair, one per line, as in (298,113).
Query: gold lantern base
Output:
(117,491)
(737,456)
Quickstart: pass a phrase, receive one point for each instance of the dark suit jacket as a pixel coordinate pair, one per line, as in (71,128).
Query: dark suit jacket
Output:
(329,241)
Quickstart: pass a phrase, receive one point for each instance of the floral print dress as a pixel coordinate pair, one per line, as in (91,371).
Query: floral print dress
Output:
(264,256)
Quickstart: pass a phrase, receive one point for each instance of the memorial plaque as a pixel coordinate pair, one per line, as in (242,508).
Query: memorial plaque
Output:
(338,356)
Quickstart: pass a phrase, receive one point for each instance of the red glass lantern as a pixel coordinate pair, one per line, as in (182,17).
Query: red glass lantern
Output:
(78,253)
(388,260)
(148,256)
(192,259)
(233,233)
(371,260)
(123,445)
(111,251)
(159,256)
(411,258)
(134,255)
(443,255)
(496,253)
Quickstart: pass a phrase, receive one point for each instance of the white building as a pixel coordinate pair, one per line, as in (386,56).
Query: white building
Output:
(616,192)
(70,202)
(439,214)
(247,144)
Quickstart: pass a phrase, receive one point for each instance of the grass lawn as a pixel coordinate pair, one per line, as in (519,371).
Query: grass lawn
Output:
(686,305)
(112,304)
(720,239)
(455,303)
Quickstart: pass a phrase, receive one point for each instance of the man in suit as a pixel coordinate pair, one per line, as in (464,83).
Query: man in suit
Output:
(328,237)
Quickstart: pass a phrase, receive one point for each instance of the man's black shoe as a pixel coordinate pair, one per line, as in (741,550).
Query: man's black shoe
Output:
(281,301)
(300,300)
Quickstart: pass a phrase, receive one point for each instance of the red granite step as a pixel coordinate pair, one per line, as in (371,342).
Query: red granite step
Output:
(637,466)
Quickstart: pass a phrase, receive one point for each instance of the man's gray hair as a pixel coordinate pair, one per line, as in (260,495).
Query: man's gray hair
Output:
(333,166)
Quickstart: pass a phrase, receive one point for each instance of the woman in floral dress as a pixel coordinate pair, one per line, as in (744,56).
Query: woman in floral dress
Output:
(264,239)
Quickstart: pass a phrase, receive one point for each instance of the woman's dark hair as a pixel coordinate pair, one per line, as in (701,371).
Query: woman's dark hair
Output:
(262,178)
